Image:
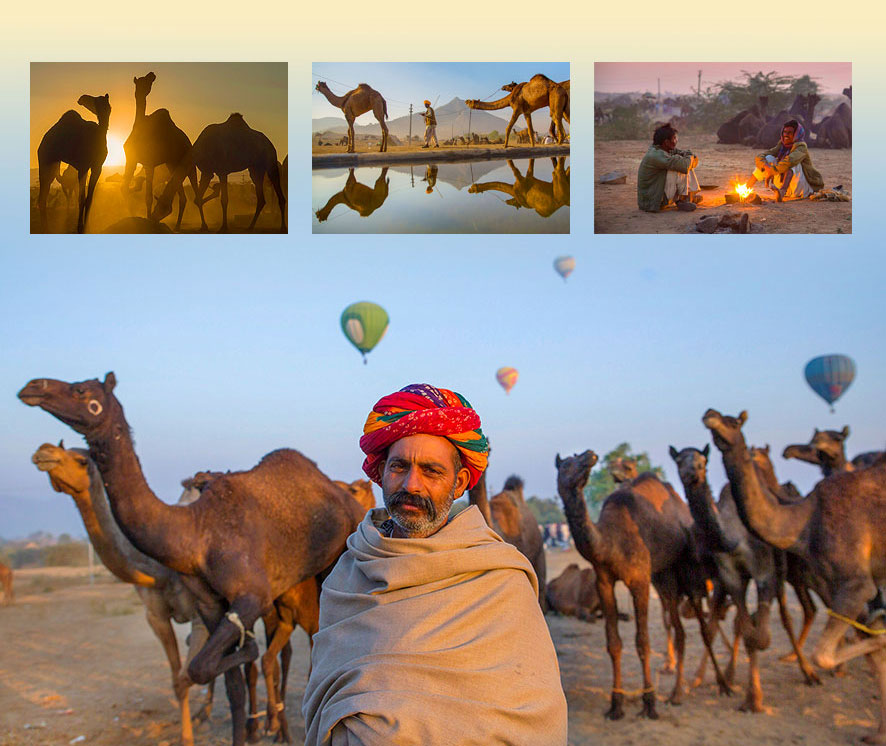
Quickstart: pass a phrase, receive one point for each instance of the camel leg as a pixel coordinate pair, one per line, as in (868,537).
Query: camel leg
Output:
(46,174)
(809,608)
(149,191)
(708,637)
(274,175)
(94,174)
(196,640)
(670,660)
(158,615)
(199,191)
(258,179)
(808,673)
(380,115)
(528,116)
(640,595)
(676,697)
(250,671)
(128,173)
(756,637)
(81,199)
(606,592)
(223,178)
(276,714)
(877,660)
(736,644)
(350,120)
(182,199)
(511,121)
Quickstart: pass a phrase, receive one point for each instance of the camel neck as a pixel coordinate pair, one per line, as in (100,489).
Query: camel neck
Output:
(707,517)
(589,542)
(163,532)
(777,524)
(113,548)
(492,105)
(141,106)
(337,101)
(477,496)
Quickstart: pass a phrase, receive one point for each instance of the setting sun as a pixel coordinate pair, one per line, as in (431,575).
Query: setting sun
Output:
(116,155)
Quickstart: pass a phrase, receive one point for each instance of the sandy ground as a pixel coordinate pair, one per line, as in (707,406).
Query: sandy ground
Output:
(80,660)
(616,211)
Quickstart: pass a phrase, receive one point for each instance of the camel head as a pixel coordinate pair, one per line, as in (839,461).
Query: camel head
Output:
(89,407)
(848,92)
(361,491)
(760,456)
(143,85)
(98,105)
(194,486)
(829,443)
(623,469)
(321,86)
(573,471)
(725,429)
(509,86)
(514,484)
(68,469)
(691,464)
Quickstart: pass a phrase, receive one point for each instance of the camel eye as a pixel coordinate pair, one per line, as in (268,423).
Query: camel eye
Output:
(94,407)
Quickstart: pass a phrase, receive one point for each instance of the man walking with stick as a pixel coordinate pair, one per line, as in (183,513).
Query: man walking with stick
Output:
(430,126)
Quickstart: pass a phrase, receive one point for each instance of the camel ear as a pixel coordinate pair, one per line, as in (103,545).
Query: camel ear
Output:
(673,451)
(815,433)
(558,461)
(845,432)
(706,450)
(743,417)
(110,382)
(61,444)
(152,76)
(134,79)
(766,449)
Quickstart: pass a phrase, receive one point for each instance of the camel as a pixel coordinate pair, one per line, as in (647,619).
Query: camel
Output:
(361,99)
(81,144)
(739,558)
(510,517)
(155,140)
(359,197)
(250,537)
(840,532)
(574,593)
(545,197)
(524,98)
(224,149)
(744,125)
(6,583)
(639,542)
(826,450)
(161,590)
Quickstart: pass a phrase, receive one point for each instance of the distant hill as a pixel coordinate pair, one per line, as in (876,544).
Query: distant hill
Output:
(452,120)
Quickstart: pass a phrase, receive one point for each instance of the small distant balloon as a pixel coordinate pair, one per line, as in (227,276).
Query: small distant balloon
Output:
(364,324)
(830,375)
(564,266)
(506,378)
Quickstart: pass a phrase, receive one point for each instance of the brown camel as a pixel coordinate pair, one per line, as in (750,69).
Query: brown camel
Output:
(510,517)
(739,559)
(359,197)
(839,530)
(223,149)
(361,491)
(81,144)
(249,538)
(574,593)
(6,584)
(161,590)
(826,450)
(640,543)
(356,102)
(154,141)
(545,197)
(524,98)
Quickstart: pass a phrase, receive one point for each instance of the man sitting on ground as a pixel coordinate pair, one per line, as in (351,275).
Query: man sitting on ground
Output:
(430,628)
(667,175)
(787,167)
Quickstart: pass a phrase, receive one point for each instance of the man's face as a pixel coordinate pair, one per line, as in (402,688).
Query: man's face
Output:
(419,484)
(671,143)
(787,136)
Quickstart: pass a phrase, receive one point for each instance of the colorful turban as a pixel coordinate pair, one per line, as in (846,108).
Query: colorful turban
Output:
(423,409)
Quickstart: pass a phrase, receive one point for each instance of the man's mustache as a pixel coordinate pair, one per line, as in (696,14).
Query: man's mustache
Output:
(408,498)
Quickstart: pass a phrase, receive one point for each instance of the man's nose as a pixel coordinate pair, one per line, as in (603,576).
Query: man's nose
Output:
(412,482)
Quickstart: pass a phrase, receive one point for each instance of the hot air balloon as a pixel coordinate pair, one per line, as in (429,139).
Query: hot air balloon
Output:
(506,378)
(564,266)
(830,375)
(364,324)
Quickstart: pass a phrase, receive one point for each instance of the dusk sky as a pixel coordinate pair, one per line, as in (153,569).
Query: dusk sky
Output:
(682,77)
(195,93)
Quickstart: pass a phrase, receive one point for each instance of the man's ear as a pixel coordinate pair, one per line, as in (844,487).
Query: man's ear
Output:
(462,480)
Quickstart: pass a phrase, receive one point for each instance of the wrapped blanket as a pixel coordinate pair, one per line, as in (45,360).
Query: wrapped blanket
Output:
(433,641)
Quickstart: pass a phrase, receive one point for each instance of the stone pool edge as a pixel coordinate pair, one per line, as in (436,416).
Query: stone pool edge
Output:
(335,160)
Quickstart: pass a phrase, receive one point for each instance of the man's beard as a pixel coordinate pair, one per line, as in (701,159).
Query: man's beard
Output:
(424,523)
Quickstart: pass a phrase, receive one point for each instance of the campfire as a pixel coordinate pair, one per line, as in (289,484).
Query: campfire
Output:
(742,194)
(743,191)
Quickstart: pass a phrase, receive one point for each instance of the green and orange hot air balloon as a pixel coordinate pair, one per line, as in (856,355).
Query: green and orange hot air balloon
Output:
(364,324)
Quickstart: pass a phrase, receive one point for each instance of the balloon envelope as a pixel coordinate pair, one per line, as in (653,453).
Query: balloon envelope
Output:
(564,265)
(830,375)
(364,324)
(506,378)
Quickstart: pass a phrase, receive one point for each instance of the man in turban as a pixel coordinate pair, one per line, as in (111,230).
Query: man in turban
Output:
(430,125)
(430,628)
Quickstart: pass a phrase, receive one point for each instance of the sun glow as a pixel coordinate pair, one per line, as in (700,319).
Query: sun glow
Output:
(116,155)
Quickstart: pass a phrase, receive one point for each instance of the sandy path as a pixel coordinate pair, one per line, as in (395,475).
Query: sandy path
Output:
(616,211)
(80,660)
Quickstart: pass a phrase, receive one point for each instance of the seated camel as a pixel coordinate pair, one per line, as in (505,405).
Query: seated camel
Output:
(359,197)
(574,593)
(545,197)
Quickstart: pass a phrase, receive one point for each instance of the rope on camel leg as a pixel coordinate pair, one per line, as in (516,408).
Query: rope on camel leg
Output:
(234,618)
(858,625)
(633,692)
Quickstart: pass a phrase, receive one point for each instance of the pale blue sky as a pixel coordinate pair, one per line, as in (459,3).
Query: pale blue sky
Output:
(402,83)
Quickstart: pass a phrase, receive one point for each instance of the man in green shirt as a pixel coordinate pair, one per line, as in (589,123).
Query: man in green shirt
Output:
(788,166)
(667,175)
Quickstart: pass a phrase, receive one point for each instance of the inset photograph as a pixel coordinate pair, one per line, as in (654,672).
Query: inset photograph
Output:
(723,147)
(442,147)
(165,147)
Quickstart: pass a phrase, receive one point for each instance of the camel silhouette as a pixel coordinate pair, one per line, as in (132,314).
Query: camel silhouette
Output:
(81,144)
(154,141)
(224,149)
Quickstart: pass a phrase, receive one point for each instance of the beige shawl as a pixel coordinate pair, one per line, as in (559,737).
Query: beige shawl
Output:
(433,641)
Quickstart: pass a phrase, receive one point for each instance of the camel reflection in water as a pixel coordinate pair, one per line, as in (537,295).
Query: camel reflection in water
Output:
(359,197)
(545,197)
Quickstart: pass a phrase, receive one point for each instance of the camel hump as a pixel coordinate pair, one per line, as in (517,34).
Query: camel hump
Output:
(285,456)
(69,117)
